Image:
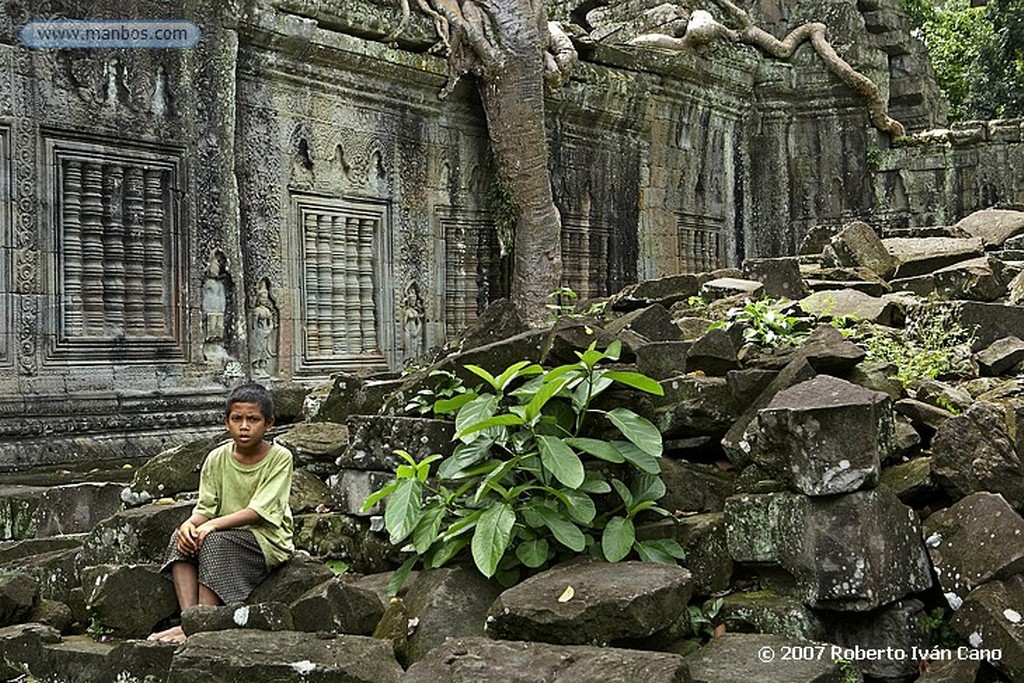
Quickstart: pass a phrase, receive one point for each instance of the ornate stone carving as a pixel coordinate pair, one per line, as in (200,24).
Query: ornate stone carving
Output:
(6,319)
(700,242)
(473,273)
(412,313)
(344,248)
(264,333)
(214,307)
(119,241)
(585,250)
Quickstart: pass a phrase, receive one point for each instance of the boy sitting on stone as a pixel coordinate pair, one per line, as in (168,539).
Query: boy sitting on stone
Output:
(241,527)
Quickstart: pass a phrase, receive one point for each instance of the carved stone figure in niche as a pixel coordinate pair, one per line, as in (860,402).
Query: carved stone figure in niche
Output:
(412,311)
(216,292)
(264,332)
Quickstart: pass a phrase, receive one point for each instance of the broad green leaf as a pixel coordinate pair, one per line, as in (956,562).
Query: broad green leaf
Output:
(465,455)
(636,457)
(492,482)
(561,461)
(497,421)
(573,372)
(461,526)
(490,540)
(617,538)
(483,374)
(564,531)
(480,408)
(614,350)
(445,552)
(405,456)
(581,506)
(664,551)
(544,395)
(406,472)
(521,369)
(587,390)
(380,494)
(423,468)
(400,575)
(533,553)
(591,356)
(597,448)
(624,493)
(647,486)
(403,510)
(638,430)
(594,483)
(450,405)
(427,529)
(637,381)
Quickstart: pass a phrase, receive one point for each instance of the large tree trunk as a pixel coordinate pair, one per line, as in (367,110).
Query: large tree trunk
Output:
(513,99)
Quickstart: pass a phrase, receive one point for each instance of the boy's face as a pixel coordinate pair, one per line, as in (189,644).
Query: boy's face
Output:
(246,423)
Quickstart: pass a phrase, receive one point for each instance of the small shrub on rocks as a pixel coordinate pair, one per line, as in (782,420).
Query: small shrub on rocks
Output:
(517,491)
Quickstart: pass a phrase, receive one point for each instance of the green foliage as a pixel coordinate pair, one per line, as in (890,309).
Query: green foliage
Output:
(936,625)
(98,631)
(766,323)
(977,54)
(339,567)
(442,386)
(704,618)
(527,484)
(562,301)
(697,303)
(849,671)
(934,344)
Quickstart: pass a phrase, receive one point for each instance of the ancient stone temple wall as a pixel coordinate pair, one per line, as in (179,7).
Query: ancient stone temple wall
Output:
(291,198)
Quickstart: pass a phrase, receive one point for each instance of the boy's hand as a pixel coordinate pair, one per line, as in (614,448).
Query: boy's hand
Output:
(188,538)
(202,531)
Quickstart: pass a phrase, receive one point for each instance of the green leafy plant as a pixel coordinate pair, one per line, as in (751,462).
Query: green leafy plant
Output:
(523,486)
(704,618)
(98,631)
(935,624)
(339,567)
(766,323)
(933,344)
(441,384)
(562,301)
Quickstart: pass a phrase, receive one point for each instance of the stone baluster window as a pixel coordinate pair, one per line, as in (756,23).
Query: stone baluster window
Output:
(118,248)
(343,294)
(473,273)
(700,242)
(585,257)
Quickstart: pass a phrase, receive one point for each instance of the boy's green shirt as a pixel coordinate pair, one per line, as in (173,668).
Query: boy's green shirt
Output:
(226,486)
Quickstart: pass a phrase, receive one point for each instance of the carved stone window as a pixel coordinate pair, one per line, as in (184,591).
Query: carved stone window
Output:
(585,257)
(6,248)
(344,288)
(700,242)
(475,273)
(118,249)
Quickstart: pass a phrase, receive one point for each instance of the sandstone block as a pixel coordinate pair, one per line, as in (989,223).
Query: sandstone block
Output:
(652,323)
(694,406)
(733,657)
(374,439)
(263,616)
(611,602)
(131,600)
(661,360)
(18,506)
(290,579)
(893,628)
(857,244)
(994,226)
(723,287)
(316,445)
(713,354)
(920,255)
(702,538)
(780,276)
(991,620)
(767,611)
(76,508)
(18,594)
(136,536)
(337,607)
(21,648)
(850,303)
(1001,355)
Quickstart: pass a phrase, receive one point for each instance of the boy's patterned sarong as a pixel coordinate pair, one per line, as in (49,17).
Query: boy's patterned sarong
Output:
(230,563)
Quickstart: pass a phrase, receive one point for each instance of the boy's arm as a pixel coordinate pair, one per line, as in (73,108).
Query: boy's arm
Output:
(235,519)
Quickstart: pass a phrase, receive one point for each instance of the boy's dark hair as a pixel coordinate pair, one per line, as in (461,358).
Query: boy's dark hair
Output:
(251,393)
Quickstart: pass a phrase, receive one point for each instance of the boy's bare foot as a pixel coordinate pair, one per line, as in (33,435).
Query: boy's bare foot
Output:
(172,635)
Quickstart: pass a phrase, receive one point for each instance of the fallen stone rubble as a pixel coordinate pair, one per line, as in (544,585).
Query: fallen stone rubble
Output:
(844,519)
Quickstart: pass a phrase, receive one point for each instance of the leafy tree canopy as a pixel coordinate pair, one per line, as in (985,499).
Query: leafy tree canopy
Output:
(977,53)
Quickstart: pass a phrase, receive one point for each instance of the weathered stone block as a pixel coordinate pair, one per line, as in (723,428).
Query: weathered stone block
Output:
(694,406)
(144,660)
(1001,355)
(713,354)
(857,244)
(780,276)
(979,279)
(339,536)
(337,607)
(18,593)
(55,571)
(347,394)
(767,611)
(752,524)
(853,552)
(76,659)
(290,579)
(18,506)
(694,487)
(308,492)
(978,539)
(723,287)
(989,322)
(911,481)
(661,360)
(994,226)
(51,613)
(451,602)
(653,323)
(374,439)
(612,602)
(663,290)
(21,649)
(465,660)
(849,303)
(76,508)
(316,445)
(991,621)
(974,452)
(262,616)
(828,351)
(136,536)
(173,471)
(131,600)
(271,657)
(892,628)
(734,657)
(825,435)
(351,487)
(917,256)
